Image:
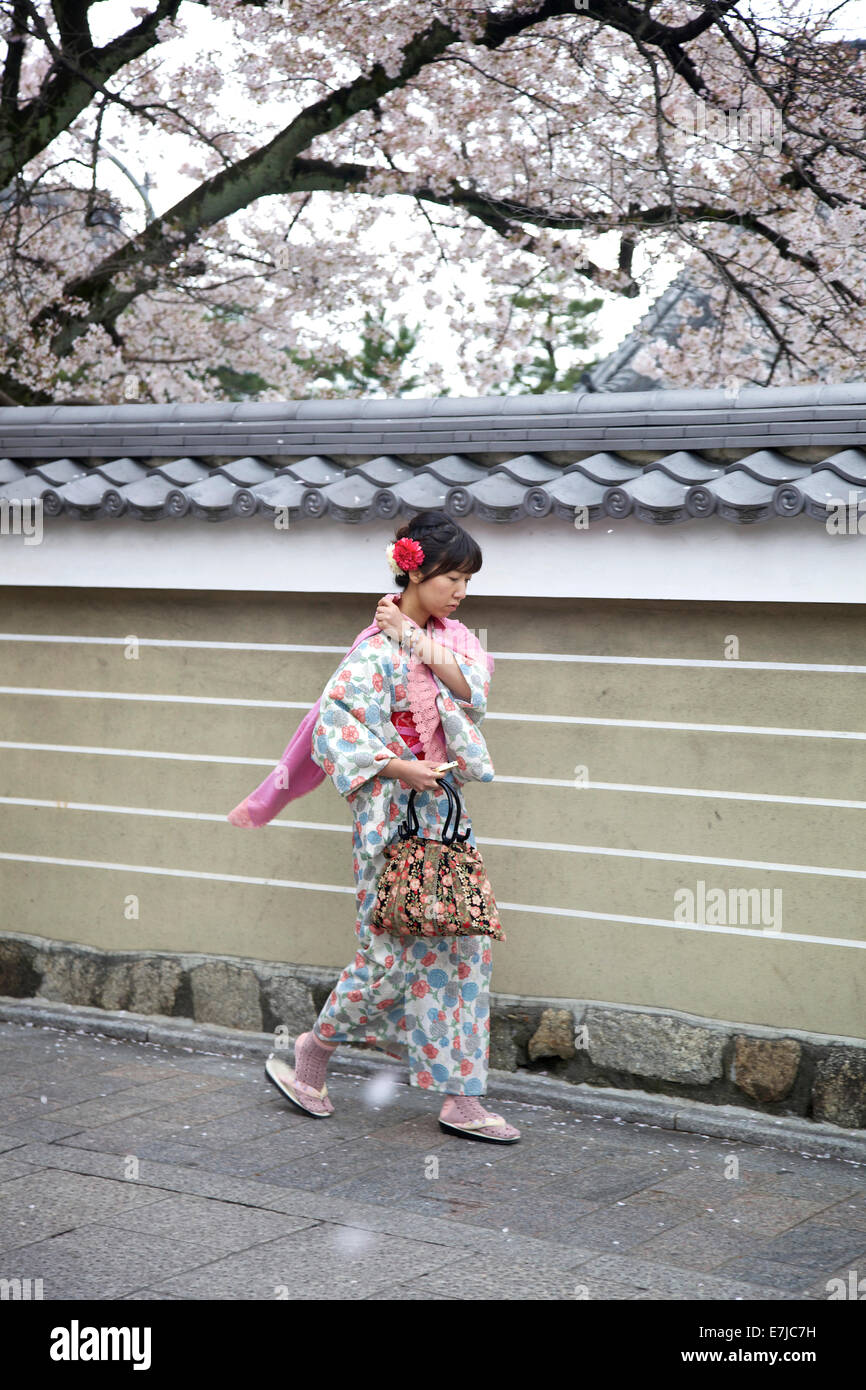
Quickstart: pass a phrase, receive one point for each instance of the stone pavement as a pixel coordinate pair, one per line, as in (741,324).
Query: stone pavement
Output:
(138,1170)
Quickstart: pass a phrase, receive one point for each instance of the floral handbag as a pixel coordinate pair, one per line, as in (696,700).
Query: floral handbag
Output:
(435,887)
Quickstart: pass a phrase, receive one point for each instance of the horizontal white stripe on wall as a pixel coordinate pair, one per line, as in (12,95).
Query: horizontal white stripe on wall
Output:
(136,753)
(509,907)
(159,811)
(657,856)
(155,699)
(636,787)
(639,788)
(822,668)
(514,718)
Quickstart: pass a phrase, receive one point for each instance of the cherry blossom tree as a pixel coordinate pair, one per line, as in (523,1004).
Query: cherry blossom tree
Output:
(536,151)
(381,367)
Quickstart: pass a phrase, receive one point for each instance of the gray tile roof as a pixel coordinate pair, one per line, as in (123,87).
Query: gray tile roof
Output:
(661,456)
(663,322)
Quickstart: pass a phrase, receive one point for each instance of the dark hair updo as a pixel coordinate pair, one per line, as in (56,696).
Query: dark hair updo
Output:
(446,546)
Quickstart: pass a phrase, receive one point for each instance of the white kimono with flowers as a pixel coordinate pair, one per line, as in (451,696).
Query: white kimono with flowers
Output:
(423,1000)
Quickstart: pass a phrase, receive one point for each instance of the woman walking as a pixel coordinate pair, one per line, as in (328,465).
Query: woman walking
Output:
(410,695)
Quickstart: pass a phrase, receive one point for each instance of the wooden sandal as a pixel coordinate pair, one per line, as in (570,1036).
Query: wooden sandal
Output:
(281,1075)
(473,1129)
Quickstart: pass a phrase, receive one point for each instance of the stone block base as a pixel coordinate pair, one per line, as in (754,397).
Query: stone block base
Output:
(629,1047)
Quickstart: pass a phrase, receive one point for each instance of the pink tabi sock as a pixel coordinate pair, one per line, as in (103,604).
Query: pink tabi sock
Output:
(461,1109)
(311,1060)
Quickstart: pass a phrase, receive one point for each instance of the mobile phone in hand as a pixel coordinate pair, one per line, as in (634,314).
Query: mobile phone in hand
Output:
(445,767)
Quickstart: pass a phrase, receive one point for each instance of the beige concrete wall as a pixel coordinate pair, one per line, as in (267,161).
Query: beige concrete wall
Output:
(586,892)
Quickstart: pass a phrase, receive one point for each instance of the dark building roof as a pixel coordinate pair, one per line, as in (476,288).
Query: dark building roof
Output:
(664,321)
(662,456)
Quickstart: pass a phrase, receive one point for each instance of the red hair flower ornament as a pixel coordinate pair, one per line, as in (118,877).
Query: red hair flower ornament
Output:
(404,555)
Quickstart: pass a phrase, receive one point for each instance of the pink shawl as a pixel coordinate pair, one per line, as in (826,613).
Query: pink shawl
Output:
(296,773)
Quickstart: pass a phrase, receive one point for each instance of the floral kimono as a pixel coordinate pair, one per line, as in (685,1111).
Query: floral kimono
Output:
(423,1001)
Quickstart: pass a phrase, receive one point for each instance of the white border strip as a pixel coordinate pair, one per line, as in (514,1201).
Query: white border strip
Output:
(497,656)
(511,907)
(514,718)
(637,788)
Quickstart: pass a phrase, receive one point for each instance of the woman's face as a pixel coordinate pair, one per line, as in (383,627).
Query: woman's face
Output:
(442,594)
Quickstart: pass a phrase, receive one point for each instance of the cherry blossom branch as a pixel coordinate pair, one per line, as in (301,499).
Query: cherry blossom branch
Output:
(505,214)
(748,296)
(15,39)
(693,28)
(76,74)
(798,176)
(260,173)
(157,256)
(74,27)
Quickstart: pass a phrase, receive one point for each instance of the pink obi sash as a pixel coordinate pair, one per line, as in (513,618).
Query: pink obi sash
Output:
(405,726)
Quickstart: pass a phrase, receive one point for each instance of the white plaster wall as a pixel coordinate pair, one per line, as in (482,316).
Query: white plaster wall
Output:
(786,559)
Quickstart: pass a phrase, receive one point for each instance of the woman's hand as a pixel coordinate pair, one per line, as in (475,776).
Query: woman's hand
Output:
(420,773)
(389,618)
